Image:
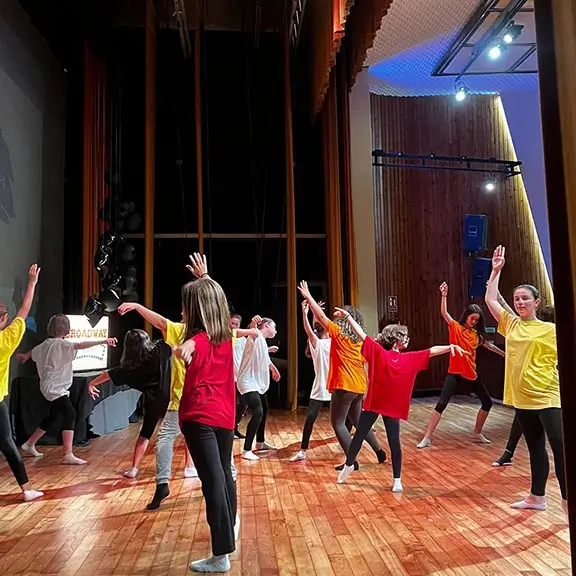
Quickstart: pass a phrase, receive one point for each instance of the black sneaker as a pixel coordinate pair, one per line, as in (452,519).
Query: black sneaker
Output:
(504,460)
(238,435)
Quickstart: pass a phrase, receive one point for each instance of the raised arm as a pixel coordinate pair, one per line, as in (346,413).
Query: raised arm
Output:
(33,274)
(307,328)
(356,328)
(314,306)
(85,345)
(247,333)
(450,348)
(498,260)
(505,305)
(444,303)
(150,316)
(198,266)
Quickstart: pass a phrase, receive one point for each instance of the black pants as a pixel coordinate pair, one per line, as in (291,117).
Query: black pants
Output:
(240,407)
(515,435)
(8,446)
(537,425)
(449,388)
(313,411)
(392,426)
(348,405)
(258,405)
(155,408)
(211,450)
(60,409)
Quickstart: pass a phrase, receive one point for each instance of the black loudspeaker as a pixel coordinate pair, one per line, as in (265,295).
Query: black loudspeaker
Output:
(475,238)
(481,269)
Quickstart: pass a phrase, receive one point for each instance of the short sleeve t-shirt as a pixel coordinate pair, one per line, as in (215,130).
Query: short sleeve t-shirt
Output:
(346,370)
(54,359)
(320,354)
(391,377)
(531,379)
(209,395)
(254,371)
(468,340)
(10,339)
(175,332)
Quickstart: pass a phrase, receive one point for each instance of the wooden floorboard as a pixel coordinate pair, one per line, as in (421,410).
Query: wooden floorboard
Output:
(453,517)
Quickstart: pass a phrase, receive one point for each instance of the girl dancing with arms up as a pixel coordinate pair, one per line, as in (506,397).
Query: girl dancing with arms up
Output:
(531,382)
(11,335)
(391,376)
(319,347)
(346,376)
(207,409)
(469,334)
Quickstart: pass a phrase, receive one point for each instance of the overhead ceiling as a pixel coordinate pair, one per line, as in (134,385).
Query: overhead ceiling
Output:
(417,34)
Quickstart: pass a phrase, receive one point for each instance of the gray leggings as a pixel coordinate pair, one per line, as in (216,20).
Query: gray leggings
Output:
(348,405)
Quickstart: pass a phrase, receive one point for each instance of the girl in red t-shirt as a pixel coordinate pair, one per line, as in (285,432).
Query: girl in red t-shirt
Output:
(208,406)
(391,376)
(469,333)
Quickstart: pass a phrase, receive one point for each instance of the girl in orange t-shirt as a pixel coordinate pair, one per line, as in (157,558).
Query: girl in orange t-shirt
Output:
(347,379)
(468,333)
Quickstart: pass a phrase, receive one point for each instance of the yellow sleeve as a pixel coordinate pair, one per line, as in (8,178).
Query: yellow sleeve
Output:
(11,336)
(175,332)
(234,337)
(506,322)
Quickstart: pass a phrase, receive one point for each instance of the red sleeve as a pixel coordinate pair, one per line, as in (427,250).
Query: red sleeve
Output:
(368,349)
(419,360)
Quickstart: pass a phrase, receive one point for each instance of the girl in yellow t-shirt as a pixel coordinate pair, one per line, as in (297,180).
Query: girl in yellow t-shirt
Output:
(531,381)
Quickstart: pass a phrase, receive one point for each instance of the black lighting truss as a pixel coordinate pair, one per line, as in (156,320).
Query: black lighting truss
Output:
(491,166)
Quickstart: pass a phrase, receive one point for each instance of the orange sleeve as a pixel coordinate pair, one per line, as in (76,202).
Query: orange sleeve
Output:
(333,329)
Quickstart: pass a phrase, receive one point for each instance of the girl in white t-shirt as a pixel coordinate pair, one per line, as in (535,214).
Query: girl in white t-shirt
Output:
(253,381)
(54,359)
(319,347)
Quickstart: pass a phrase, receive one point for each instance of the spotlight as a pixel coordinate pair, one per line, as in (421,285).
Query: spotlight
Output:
(512,32)
(461,92)
(490,184)
(495,52)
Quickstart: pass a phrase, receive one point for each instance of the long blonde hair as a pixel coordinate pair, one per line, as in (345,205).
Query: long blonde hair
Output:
(206,310)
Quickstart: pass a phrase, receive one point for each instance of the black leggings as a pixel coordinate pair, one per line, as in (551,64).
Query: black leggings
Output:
(211,450)
(348,405)
(537,425)
(449,388)
(392,426)
(313,411)
(155,407)
(515,435)
(240,407)
(258,405)
(9,448)
(61,408)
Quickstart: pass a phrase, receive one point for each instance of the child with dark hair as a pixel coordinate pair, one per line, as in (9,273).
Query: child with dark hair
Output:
(53,360)
(391,376)
(144,366)
(469,334)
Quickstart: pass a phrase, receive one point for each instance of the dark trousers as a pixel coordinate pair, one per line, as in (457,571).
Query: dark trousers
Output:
(8,446)
(258,405)
(60,409)
(536,426)
(392,425)
(211,450)
(240,407)
(313,411)
(348,405)
(449,389)
(515,435)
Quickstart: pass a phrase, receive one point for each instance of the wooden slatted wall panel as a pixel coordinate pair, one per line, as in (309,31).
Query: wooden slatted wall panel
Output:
(419,217)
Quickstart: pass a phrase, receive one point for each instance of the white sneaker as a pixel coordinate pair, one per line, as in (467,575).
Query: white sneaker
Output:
(31,449)
(214,564)
(343,476)
(131,473)
(397,485)
(300,455)
(424,443)
(481,439)
(190,472)
(249,455)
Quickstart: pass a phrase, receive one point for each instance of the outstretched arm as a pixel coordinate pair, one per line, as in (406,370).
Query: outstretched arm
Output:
(85,345)
(498,260)
(307,328)
(444,303)
(98,381)
(150,316)
(453,349)
(314,306)
(33,274)
(356,328)
(247,333)
(493,348)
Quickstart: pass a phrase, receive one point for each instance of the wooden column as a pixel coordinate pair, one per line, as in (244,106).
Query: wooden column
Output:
(291,279)
(150,155)
(556,36)
(329,118)
(198,122)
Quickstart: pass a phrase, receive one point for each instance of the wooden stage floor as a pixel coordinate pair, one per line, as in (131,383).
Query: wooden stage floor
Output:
(453,517)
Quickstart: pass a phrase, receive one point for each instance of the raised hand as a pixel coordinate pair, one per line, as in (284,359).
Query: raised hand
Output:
(340,313)
(256,321)
(305,306)
(444,289)
(198,266)
(498,258)
(33,273)
(126,307)
(322,304)
(111,342)
(303,289)
(272,349)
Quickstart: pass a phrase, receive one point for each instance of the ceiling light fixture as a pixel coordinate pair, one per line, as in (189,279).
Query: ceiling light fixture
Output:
(513,30)
(461,92)
(490,184)
(495,52)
